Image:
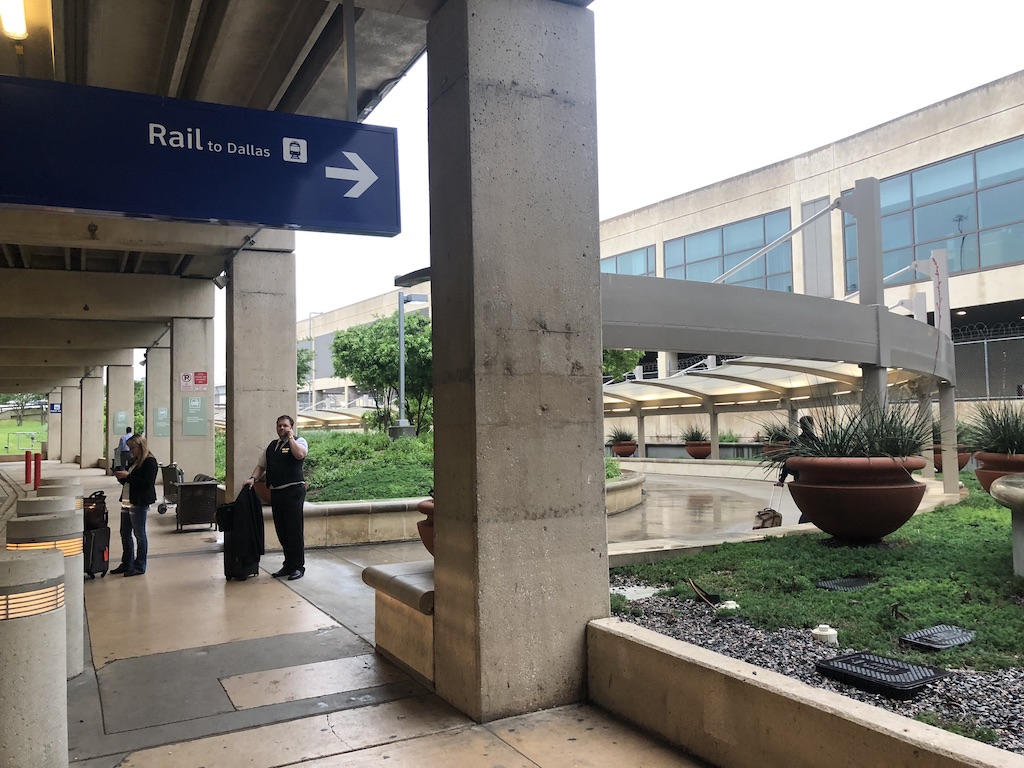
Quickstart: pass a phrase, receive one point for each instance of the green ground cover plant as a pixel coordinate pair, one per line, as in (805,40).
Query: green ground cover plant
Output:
(346,466)
(950,566)
(17,440)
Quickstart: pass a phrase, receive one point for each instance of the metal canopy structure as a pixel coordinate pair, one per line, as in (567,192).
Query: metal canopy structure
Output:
(746,384)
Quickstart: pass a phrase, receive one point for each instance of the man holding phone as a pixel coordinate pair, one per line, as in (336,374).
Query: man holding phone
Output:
(281,463)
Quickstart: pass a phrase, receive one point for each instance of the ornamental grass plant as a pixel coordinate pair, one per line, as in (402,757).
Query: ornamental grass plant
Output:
(996,427)
(695,433)
(874,429)
(621,435)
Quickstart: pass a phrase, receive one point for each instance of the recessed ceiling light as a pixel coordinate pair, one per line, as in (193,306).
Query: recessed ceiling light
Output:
(961,312)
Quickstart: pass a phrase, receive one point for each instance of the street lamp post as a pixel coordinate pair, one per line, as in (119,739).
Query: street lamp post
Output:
(312,363)
(402,428)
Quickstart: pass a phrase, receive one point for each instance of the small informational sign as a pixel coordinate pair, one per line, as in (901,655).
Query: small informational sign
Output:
(200,381)
(54,407)
(187,383)
(121,422)
(162,427)
(193,416)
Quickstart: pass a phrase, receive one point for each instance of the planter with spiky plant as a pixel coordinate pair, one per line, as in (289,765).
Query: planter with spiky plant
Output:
(996,432)
(776,437)
(853,478)
(698,441)
(623,442)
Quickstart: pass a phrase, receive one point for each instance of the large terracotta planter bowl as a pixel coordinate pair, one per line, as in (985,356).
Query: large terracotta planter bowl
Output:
(624,449)
(962,457)
(698,449)
(993,465)
(425,528)
(860,499)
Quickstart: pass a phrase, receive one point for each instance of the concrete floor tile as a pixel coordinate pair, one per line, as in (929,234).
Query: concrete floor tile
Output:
(274,686)
(585,737)
(474,747)
(299,741)
(185,602)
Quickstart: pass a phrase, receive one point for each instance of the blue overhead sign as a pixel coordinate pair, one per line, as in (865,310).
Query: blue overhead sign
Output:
(94,149)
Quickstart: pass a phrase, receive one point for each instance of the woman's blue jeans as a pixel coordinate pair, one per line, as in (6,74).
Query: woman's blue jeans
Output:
(134,553)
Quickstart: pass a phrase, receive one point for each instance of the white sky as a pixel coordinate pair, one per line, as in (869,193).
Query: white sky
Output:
(690,93)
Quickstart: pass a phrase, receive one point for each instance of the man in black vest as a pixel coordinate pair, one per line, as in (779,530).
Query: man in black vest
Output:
(282,463)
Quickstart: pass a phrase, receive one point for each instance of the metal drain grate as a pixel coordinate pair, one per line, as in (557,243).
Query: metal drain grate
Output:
(879,674)
(851,584)
(938,638)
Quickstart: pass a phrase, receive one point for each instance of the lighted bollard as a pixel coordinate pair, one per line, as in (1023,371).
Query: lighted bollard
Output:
(46,505)
(61,531)
(33,687)
(39,470)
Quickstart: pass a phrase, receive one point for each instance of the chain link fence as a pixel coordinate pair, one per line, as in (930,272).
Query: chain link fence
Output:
(990,368)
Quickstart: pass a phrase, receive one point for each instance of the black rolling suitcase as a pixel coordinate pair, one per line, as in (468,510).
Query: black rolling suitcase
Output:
(242,523)
(96,539)
(96,549)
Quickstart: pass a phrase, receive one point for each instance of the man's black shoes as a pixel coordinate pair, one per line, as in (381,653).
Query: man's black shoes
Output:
(296,574)
(282,572)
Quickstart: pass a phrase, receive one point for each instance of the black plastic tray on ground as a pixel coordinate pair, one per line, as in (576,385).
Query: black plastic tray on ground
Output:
(880,674)
(938,638)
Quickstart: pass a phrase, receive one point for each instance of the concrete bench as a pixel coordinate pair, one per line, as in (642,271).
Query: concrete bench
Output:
(404,615)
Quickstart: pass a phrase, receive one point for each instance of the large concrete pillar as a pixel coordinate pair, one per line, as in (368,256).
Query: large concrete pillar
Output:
(33,634)
(521,556)
(120,407)
(93,429)
(260,375)
(70,424)
(61,531)
(192,395)
(158,403)
(53,428)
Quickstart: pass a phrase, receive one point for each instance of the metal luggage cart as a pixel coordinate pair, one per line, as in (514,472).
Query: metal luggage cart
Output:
(173,476)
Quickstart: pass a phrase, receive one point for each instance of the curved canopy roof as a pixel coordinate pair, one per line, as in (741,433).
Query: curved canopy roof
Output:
(745,384)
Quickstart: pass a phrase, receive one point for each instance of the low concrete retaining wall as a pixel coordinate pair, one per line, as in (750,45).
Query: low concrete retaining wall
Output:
(735,714)
(624,493)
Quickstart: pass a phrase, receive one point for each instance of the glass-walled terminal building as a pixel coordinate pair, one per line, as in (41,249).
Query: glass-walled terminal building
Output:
(952,178)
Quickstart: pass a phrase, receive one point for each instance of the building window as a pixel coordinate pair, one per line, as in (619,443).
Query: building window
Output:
(971,205)
(638,262)
(706,256)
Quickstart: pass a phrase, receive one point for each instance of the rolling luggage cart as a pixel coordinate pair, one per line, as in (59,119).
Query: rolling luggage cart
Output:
(173,476)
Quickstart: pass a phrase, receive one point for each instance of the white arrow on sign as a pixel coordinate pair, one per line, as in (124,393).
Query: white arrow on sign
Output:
(361,174)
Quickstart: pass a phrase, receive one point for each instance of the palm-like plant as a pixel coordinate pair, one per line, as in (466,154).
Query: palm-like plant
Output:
(621,435)
(893,429)
(695,433)
(996,428)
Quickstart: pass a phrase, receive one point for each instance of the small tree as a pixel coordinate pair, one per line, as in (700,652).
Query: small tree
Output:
(618,362)
(304,365)
(140,406)
(368,355)
(20,401)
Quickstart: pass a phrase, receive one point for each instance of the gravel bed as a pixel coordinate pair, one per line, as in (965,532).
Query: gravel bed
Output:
(986,699)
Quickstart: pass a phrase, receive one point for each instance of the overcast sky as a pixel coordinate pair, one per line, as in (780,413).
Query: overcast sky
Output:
(690,93)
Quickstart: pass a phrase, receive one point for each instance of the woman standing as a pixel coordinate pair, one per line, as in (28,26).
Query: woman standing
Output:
(141,482)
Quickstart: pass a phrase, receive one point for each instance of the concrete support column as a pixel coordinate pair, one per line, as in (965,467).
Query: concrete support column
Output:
(158,403)
(33,634)
(53,429)
(120,407)
(716,452)
(924,408)
(192,402)
(261,356)
(521,555)
(93,430)
(950,439)
(70,424)
(61,531)
(641,433)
